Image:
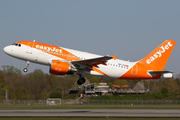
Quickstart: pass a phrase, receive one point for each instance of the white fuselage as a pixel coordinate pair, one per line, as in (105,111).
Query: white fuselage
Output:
(114,68)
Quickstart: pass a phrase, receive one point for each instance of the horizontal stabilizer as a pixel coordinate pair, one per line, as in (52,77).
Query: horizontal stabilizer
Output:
(159,72)
(164,74)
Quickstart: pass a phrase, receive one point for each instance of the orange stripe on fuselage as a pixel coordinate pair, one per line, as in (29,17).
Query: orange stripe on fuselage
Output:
(52,50)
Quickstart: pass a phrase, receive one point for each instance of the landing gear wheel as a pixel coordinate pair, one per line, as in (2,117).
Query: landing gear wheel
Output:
(25,70)
(81,81)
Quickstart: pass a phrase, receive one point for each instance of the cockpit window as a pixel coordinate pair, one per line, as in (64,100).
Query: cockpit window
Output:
(17,44)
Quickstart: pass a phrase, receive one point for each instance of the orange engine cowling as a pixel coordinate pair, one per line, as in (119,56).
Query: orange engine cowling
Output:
(60,68)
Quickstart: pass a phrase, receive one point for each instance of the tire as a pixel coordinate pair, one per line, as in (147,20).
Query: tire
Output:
(25,70)
(81,81)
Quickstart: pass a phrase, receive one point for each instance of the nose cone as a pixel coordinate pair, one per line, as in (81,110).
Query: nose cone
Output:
(7,49)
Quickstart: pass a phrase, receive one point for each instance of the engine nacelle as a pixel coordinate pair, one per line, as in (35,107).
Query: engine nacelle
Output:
(60,68)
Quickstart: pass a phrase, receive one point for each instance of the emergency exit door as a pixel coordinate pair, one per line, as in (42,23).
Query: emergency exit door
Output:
(134,70)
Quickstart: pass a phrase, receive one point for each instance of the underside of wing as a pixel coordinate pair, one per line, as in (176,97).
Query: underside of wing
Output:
(94,62)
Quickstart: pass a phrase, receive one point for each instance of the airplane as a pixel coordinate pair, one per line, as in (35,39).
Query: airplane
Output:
(63,61)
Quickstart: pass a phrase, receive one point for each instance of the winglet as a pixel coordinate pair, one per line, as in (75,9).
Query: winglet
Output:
(114,57)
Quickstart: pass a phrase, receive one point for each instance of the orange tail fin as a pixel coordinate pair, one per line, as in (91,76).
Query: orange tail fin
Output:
(158,57)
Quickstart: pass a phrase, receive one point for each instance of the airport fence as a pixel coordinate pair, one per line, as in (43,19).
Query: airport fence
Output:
(91,102)
(132,102)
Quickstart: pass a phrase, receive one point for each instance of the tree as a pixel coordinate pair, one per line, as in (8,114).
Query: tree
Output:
(164,90)
(2,80)
(120,82)
(93,79)
(55,94)
(2,86)
(11,70)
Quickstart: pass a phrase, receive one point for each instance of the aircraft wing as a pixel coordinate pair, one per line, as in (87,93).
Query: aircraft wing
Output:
(95,61)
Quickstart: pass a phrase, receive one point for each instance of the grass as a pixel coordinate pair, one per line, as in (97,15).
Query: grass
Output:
(146,96)
(40,107)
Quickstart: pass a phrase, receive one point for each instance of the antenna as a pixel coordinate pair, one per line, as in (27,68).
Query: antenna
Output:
(34,40)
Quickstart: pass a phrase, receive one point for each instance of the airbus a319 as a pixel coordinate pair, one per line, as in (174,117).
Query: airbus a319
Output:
(62,61)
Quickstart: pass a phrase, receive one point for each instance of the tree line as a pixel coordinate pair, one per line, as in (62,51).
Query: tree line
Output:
(39,85)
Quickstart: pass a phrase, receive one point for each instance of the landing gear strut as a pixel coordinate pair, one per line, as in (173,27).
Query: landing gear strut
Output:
(27,65)
(81,79)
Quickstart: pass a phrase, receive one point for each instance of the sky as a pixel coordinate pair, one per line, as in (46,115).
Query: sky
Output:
(128,28)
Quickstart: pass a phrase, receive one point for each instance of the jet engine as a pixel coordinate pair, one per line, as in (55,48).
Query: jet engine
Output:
(61,68)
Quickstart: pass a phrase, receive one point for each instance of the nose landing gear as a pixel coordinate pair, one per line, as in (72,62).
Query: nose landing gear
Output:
(25,70)
(27,65)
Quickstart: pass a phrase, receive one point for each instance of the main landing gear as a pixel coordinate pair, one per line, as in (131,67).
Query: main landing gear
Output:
(27,65)
(81,79)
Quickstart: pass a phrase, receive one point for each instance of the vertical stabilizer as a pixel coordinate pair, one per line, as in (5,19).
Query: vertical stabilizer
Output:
(158,57)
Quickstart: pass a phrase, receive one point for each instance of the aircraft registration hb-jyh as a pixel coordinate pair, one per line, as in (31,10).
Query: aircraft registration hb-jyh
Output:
(64,61)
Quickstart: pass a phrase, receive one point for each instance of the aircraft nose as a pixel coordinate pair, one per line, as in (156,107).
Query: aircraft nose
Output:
(6,49)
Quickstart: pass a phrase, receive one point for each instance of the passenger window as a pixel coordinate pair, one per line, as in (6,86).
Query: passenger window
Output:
(19,45)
